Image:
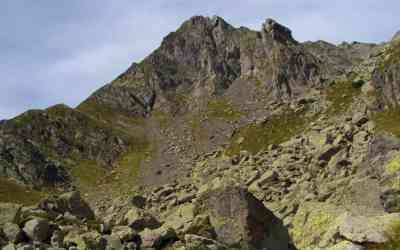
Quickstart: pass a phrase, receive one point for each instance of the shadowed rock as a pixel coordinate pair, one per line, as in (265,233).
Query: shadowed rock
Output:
(242,221)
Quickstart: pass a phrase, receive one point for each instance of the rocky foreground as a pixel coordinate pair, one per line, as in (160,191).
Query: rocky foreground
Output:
(222,138)
(225,218)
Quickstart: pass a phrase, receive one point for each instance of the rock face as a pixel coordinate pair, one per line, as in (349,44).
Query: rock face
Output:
(241,221)
(386,78)
(35,145)
(205,56)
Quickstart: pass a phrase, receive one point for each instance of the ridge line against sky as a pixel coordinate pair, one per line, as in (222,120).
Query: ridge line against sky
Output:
(61,51)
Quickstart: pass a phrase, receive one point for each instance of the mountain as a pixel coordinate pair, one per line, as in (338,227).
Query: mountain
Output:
(221,138)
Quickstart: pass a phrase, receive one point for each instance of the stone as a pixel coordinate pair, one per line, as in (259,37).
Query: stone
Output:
(31,247)
(180,218)
(268,177)
(390,199)
(57,239)
(196,242)
(242,221)
(360,119)
(346,245)
(113,242)
(253,177)
(312,224)
(139,219)
(124,233)
(131,246)
(155,239)
(73,203)
(83,241)
(327,152)
(10,246)
(13,233)
(201,226)
(185,197)
(9,213)
(32,212)
(359,229)
(138,201)
(164,192)
(277,31)
(38,230)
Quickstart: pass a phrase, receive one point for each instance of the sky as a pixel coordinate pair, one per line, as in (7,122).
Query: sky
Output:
(61,51)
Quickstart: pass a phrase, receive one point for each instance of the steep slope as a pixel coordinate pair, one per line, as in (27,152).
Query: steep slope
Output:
(54,147)
(193,87)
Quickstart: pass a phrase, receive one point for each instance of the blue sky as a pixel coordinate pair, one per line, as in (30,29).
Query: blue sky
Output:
(61,51)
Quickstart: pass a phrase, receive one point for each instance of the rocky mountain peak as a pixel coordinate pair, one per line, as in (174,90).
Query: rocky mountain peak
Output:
(278,31)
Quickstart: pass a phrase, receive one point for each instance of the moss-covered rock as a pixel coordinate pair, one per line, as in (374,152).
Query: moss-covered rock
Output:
(393,165)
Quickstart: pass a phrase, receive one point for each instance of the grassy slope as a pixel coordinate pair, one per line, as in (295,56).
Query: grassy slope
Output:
(278,128)
(14,193)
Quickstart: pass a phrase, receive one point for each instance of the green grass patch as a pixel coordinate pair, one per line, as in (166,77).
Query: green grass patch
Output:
(109,115)
(278,128)
(88,174)
(14,193)
(341,95)
(163,118)
(388,121)
(222,109)
(128,169)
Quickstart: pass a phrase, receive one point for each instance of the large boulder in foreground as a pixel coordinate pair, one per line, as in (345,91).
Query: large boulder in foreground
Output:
(241,221)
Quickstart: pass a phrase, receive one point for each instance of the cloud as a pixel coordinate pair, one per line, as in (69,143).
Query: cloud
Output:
(60,52)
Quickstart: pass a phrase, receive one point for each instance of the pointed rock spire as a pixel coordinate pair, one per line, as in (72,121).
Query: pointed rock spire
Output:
(277,31)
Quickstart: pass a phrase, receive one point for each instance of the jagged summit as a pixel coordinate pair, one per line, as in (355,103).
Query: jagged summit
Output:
(278,31)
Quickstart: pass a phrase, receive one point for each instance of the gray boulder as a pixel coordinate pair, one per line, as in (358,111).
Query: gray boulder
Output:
(57,239)
(10,246)
(139,219)
(158,238)
(73,203)
(362,230)
(113,242)
(196,242)
(242,221)
(124,233)
(38,230)
(13,233)
(201,226)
